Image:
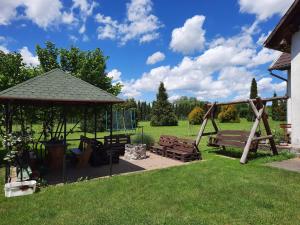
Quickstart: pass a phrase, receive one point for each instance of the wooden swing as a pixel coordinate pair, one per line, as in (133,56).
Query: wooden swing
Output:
(249,141)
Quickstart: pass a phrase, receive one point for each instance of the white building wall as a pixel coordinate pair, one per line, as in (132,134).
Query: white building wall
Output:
(295,90)
(289,101)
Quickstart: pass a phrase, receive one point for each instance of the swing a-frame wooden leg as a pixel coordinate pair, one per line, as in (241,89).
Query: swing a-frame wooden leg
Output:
(208,115)
(260,114)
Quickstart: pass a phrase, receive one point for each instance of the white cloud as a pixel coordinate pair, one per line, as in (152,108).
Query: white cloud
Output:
(85,6)
(265,84)
(173,98)
(222,71)
(8,11)
(68,18)
(155,58)
(115,75)
(73,38)
(45,13)
(28,57)
(139,24)
(189,38)
(85,38)
(149,37)
(35,11)
(264,9)
(263,37)
(3,43)
(4,49)
(86,9)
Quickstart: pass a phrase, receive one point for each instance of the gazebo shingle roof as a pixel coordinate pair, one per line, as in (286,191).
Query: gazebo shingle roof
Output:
(57,86)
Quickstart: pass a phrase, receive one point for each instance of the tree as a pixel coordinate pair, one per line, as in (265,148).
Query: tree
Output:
(279,109)
(13,71)
(253,95)
(184,105)
(195,117)
(48,56)
(89,66)
(275,108)
(162,110)
(229,113)
(253,90)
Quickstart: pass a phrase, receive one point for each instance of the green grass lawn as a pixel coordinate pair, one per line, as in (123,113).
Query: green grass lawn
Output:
(216,190)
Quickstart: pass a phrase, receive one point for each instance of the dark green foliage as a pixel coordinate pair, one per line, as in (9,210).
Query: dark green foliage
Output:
(90,120)
(253,95)
(89,66)
(253,90)
(143,111)
(162,111)
(243,110)
(13,71)
(48,56)
(184,105)
(279,109)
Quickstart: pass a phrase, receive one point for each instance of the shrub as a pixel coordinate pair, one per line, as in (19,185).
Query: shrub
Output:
(145,139)
(229,113)
(196,115)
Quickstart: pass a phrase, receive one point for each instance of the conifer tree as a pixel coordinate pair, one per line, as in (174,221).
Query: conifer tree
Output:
(162,111)
(253,95)
(253,91)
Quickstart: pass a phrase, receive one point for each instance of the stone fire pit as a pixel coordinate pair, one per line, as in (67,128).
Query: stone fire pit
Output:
(135,152)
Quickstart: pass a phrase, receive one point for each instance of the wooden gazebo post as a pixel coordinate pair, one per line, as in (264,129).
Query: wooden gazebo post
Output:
(95,123)
(65,144)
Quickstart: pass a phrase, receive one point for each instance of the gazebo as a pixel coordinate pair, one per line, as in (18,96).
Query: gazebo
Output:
(56,88)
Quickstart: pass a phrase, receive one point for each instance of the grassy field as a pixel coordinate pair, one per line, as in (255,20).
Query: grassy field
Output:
(216,190)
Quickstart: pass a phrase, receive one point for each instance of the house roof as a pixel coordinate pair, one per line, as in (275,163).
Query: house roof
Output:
(57,86)
(282,63)
(280,38)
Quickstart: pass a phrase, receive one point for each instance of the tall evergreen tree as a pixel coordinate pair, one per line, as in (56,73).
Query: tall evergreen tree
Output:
(162,110)
(253,90)
(275,108)
(253,95)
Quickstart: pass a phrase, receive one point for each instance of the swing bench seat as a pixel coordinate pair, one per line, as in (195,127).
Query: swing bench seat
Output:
(233,138)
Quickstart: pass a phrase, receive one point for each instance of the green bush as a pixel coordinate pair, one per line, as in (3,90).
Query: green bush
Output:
(145,139)
(229,113)
(278,135)
(195,117)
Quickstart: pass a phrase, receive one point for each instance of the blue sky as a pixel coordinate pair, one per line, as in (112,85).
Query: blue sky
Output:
(209,49)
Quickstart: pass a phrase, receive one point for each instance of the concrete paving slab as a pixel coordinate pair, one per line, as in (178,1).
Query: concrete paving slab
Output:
(291,165)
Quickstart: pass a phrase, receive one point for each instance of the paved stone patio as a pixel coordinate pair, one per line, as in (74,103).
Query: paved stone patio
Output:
(124,166)
(291,165)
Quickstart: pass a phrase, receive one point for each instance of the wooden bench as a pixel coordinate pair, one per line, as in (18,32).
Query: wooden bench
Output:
(232,138)
(83,153)
(118,142)
(165,142)
(184,150)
